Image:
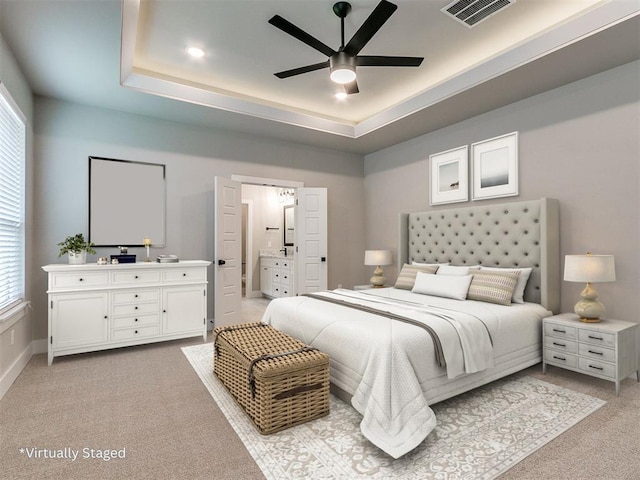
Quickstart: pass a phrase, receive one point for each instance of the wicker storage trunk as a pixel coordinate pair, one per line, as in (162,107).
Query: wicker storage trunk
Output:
(278,380)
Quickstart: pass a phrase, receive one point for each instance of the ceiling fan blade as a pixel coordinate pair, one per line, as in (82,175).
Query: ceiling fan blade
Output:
(382,61)
(300,70)
(288,27)
(351,87)
(370,26)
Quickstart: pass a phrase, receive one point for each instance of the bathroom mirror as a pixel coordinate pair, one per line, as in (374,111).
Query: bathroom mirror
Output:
(127,202)
(288,225)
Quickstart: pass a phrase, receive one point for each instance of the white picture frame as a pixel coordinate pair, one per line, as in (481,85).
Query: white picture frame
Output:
(449,176)
(495,167)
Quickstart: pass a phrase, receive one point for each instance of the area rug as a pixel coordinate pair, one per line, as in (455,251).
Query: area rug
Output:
(479,435)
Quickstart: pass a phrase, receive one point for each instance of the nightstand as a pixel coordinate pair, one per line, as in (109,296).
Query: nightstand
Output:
(607,350)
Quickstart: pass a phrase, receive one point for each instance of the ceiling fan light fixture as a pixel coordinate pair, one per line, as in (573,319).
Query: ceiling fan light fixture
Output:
(342,67)
(343,75)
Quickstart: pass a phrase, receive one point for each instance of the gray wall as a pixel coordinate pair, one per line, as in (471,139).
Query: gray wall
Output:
(66,134)
(579,143)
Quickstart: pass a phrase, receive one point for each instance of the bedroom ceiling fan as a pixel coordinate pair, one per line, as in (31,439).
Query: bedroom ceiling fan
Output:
(343,62)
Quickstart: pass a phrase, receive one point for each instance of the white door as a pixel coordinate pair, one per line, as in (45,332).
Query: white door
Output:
(311,240)
(228,252)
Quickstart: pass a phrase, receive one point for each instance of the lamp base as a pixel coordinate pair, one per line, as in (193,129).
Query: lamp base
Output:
(590,320)
(378,279)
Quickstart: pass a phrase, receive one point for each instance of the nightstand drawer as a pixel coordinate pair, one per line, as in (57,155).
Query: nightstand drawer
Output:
(599,368)
(561,344)
(559,358)
(597,338)
(560,331)
(597,353)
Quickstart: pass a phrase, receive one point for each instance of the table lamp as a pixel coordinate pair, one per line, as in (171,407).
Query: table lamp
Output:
(377,258)
(147,244)
(590,269)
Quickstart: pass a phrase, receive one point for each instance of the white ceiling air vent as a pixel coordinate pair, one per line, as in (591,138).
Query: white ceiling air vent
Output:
(472,12)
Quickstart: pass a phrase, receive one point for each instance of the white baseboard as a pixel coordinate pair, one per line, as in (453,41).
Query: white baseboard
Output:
(39,346)
(14,370)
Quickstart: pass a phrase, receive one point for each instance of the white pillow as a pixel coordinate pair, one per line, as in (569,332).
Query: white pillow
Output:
(518,291)
(448,286)
(455,270)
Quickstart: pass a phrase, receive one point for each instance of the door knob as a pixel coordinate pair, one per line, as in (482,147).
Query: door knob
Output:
(221,262)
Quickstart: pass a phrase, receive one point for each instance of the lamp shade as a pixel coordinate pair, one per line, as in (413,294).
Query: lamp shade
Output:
(377,257)
(589,268)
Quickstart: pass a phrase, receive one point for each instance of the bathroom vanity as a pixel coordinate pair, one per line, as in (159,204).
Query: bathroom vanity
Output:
(276,275)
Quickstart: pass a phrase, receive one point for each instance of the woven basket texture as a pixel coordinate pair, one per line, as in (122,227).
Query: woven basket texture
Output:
(288,390)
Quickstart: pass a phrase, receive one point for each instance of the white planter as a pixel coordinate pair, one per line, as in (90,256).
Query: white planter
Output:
(78,258)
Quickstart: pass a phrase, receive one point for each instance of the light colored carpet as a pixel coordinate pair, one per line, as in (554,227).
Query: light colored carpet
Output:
(479,435)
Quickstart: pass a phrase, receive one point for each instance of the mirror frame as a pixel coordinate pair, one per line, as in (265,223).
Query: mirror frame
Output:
(139,198)
(287,228)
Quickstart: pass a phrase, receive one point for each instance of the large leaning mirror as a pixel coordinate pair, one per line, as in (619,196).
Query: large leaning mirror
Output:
(126,202)
(288,226)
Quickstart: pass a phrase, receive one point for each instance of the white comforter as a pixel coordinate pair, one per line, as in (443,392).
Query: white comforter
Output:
(386,359)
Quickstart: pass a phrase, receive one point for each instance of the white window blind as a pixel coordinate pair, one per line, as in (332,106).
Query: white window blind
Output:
(12,199)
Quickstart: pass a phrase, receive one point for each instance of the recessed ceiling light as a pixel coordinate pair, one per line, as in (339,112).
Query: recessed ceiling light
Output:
(195,52)
(341,95)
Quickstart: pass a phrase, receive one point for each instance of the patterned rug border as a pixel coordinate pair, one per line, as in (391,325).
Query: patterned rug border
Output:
(325,463)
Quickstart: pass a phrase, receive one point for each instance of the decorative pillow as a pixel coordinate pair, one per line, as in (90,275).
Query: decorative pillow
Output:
(523,278)
(493,287)
(448,286)
(456,270)
(407,276)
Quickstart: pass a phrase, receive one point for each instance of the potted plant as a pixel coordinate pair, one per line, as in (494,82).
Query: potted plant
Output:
(77,248)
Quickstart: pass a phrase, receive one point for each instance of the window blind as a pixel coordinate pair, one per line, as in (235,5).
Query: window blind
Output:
(12,201)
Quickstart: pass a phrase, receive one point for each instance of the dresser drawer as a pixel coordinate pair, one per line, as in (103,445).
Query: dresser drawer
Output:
(595,367)
(135,321)
(185,275)
(79,280)
(597,353)
(130,277)
(560,331)
(560,358)
(133,333)
(597,338)
(561,344)
(135,309)
(135,296)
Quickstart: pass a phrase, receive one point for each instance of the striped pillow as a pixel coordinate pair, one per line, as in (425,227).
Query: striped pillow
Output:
(407,277)
(493,287)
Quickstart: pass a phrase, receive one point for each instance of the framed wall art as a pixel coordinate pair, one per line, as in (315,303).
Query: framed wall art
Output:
(495,167)
(449,176)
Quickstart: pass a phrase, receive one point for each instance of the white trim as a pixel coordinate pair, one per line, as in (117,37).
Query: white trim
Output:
(40,346)
(248,280)
(13,315)
(267,182)
(15,369)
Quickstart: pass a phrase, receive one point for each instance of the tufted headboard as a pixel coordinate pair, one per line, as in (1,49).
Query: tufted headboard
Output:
(515,234)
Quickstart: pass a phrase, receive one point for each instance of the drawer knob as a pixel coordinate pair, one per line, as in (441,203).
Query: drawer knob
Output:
(184,274)
(81,279)
(135,308)
(596,368)
(136,276)
(136,295)
(559,344)
(136,320)
(136,331)
(559,331)
(164,311)
(105,316)
(595,338)
(596,353)
(560,358)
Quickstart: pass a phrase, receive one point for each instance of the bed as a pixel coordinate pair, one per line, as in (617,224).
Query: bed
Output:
(394,351)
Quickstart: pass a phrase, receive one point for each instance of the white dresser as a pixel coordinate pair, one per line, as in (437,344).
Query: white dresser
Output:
(276,276)
(606,350)
(97,307)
